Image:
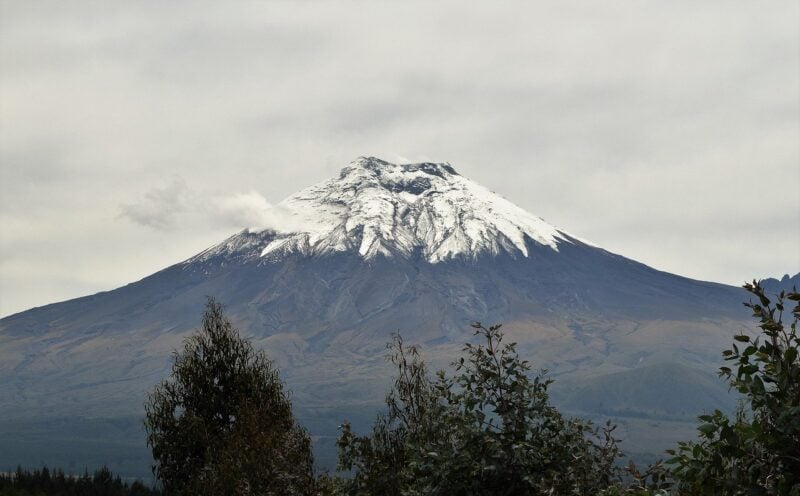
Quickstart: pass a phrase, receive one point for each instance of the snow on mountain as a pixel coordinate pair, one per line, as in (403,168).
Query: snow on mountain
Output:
(378,208)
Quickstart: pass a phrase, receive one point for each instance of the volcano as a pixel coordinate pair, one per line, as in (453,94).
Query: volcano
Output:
(381,248)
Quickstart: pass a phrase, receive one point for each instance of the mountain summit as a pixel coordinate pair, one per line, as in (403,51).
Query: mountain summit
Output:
(378,208)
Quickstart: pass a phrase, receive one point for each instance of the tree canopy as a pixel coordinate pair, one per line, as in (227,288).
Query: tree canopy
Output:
(757,452)
(222,423)
(488,429)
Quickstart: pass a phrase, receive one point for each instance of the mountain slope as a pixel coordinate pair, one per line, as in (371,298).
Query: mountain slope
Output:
(774,286)
(662,390)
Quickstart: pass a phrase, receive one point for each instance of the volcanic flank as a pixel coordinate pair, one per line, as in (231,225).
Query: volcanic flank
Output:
(381,248)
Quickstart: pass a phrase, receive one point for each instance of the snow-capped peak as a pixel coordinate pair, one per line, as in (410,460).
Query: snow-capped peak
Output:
(375,207)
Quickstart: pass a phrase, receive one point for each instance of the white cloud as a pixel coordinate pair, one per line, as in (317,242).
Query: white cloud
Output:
(245,209)
(160,207)
(252,210)
(175,207)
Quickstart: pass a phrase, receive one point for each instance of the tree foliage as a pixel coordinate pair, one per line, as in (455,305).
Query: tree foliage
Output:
(379,462)
(223,423)
(757,452)
(488,429)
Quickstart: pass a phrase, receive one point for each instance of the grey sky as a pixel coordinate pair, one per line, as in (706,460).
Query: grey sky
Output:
(135,134)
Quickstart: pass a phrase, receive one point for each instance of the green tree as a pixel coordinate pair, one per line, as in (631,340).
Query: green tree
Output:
(223,423)
(758,450)
(489,429)
(379,462)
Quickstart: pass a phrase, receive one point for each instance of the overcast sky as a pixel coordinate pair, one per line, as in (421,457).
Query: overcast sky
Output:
(135,134)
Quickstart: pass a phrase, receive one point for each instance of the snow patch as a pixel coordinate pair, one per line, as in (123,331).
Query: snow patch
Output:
(378,208)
